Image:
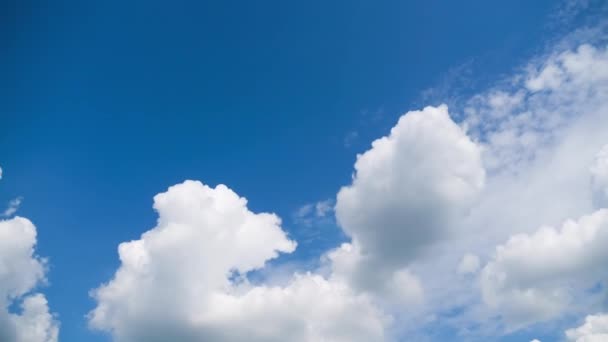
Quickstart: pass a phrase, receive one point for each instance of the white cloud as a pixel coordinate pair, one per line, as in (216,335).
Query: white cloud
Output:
(543,115)
(186,280)
(404,288)
(323,208)
(421,198)
(405,191)
(537,152)
(542,151)
(595,329)
(312,213)
(20,272)
(551,77)
(13,206)
(393,287)
(567,11)
(531,277)
(551,117)
(537,147)
(583,67)
(36,323)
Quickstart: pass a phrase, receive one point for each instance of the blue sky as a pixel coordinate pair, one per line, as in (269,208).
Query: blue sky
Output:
(105,105)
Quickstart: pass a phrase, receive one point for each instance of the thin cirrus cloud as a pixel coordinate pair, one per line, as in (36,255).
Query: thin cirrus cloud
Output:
(537,277)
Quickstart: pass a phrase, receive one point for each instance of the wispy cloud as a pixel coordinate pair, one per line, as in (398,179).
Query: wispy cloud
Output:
(13,206)
(312,213)
(350,138)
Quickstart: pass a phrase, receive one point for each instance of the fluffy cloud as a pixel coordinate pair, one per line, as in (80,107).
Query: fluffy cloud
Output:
(531,276)
(36,323)
(422,197)
(394,287)
(405,191)
(185,280)
(540,132)
(550,117)
(560,126)
(595,329)
(539,135)
(20,272)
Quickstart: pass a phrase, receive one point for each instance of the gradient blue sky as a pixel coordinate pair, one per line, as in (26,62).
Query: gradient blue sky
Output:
(105,104)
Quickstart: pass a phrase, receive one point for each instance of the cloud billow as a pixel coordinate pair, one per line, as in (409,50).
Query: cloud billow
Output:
(488,224)
(185,280)
(21,271)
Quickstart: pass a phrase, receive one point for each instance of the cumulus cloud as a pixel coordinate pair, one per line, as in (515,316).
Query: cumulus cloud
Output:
(595,329)
(405,191)
(186,280)
(432,197)
(20,272)
(391,286)
(539,134)
(531,276)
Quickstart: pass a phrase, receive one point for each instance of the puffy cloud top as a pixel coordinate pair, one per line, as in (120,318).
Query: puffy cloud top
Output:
(595,329)
(20,272)
(536,136)
(405,191)
(186,280)
(530,275)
